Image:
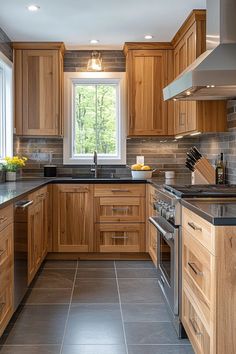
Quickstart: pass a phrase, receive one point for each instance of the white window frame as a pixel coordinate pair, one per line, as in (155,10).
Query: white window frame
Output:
(6,107)
(72,78)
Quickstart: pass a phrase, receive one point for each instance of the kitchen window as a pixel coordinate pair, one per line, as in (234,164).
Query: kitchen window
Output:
(95,118)
(6,126)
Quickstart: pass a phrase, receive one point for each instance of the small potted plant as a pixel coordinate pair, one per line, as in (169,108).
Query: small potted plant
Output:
(12,165)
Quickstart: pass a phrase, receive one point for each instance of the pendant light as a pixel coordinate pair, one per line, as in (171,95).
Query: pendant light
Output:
(95,62)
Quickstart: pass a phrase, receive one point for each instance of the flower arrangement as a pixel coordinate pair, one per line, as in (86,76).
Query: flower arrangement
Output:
(12,164)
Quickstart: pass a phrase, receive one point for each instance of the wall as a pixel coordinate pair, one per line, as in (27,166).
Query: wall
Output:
(212,145)
(77,60)
(161,154)
(5,45)
(165,154)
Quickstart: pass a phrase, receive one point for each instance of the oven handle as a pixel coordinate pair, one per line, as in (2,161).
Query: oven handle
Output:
(168,235)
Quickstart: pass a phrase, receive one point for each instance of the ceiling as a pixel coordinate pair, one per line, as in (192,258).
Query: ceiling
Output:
(76,22)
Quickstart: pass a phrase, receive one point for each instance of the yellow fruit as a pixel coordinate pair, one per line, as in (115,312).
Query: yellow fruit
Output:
(136,167)
(146,168)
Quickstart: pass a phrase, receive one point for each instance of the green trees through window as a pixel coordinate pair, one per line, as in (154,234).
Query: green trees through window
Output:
(95,119)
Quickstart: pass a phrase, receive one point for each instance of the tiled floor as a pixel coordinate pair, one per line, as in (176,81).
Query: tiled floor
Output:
(93,307)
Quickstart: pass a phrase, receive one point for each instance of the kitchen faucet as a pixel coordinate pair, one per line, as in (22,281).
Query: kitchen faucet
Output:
(95,161)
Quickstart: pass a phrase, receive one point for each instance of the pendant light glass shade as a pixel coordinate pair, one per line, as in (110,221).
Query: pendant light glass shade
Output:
(95,62)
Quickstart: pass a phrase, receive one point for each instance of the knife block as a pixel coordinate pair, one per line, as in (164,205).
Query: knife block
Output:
(198,178)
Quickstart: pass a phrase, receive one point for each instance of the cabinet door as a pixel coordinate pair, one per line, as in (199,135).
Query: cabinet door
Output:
(73,218)
(180,110)
(152,242)
(147,76)
(41,92)
(31,244)
(6,276)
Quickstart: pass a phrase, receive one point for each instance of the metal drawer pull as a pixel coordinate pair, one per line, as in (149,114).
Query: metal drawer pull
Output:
(120,190)
(120,209)
(194,227)
(2,252)
(25,205)
(195,268)
(120,237)
(195,327)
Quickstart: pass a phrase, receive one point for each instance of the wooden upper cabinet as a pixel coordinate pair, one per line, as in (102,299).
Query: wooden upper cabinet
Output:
(38,89)
(194,116)
(147,75)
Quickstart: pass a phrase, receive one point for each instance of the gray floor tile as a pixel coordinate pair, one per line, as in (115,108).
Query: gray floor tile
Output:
(95,291)
(55,278)
(94,324)
(160,349)
(94,349)
(49,296)
(60,264)
(40,324)
(134,264)
(140,290)
(145,312)
(96,264)
(46,349)
(136,273)
(151,333)
(96,273)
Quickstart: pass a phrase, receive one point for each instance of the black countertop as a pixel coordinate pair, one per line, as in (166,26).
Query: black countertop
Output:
(221,213)
(12,191)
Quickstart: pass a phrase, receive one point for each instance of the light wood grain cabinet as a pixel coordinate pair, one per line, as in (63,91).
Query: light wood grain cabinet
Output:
(73,218)
(150,228)
(209,280)
(148,72)
(37,231)
(38,89)
(119,217)
(194,116)
(122,237)
(6,271)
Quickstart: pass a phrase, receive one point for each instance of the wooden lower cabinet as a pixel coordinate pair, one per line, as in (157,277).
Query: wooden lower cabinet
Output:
(37,231)
(120,237)
(152,242)
(197,331)
(151,233)
(209,283)
(73,218)
(6,275)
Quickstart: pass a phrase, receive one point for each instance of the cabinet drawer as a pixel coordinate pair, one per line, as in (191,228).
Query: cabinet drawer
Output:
(198,265)
(6,216)
(6,247)
(120,209)
(194,326)
(199,228)
(120,237)
(116,190)
(152,233)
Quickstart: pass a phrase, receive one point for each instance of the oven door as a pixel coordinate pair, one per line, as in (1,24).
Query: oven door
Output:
(167,261)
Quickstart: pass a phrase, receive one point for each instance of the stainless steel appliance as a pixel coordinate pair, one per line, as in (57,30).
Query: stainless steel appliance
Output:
(167,220)
(167,223)
(20,250)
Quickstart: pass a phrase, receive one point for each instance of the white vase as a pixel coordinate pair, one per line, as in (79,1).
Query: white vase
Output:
(11,176)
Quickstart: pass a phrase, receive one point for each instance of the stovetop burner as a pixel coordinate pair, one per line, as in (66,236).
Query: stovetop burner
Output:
(198,190)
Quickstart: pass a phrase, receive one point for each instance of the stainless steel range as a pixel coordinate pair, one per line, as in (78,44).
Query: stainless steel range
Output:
(167,221)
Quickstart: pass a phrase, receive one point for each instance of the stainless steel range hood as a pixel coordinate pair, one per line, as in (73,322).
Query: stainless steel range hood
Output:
(213,75)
